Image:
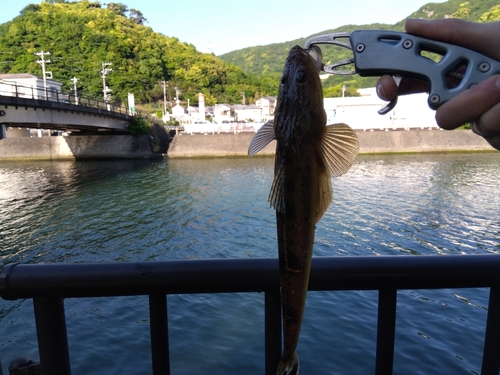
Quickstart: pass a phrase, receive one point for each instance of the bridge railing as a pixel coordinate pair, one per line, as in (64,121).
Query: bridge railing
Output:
(49,284)
(13,89)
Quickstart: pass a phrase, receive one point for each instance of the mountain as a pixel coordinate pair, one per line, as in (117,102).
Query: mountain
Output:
(81,35)
(268,60)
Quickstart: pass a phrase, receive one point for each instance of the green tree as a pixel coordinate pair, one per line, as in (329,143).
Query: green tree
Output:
(119,8)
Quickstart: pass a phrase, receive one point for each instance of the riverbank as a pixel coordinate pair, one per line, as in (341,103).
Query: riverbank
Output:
(75,147)
(215,145)
(223,145)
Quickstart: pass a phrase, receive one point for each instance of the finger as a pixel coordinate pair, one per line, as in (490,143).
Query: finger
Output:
(470,105)
(387,88)
(455,31)
(489,122)
(494,141)
(412,86)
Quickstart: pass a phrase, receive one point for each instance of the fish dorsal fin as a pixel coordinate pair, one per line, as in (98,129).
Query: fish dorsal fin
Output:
(339,148)
(262,138)
(277,194)
(325,194)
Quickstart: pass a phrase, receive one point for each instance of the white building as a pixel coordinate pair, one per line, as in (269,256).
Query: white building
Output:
(30,86)
(267,104)
(24,85)
(222,113)
(251,113)
(360,113)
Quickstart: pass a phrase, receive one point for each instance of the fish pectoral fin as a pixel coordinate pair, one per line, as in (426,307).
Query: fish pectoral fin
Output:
(262,138)
(339,148)
(277,193)
(324,195)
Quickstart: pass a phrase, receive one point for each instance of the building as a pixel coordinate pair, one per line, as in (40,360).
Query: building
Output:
(27,85)
(361,112)
(247,113)
(222,113)
(268,104)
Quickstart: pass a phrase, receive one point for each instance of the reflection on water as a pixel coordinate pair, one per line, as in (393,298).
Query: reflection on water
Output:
(444,204)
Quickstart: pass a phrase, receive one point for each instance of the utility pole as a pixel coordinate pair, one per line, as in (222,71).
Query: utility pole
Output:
(105,89)
(74,79)
(177,92)
(42,62)
(343,90)
(164,84)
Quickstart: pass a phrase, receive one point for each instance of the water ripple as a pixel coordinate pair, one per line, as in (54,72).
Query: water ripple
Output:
(217,208)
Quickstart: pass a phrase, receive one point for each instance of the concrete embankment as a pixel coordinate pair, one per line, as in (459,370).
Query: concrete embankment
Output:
(213,145)
(75,147)
(219,145)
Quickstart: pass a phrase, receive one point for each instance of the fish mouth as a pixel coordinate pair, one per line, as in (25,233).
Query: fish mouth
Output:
(314,52)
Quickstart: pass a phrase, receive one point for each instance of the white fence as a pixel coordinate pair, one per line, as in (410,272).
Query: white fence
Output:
(214,128)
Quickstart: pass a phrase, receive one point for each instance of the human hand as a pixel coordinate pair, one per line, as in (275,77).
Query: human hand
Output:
(480,105)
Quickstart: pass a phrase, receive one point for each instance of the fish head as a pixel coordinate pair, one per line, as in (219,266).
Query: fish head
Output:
(300,106)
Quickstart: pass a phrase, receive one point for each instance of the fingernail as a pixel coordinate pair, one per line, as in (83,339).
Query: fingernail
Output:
(497,82)
(381,91)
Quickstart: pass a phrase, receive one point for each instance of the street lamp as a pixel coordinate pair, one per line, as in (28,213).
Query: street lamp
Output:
(74,79)
(105,89)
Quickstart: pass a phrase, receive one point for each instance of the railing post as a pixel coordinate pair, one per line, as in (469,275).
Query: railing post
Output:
(159,334)
(386,329)
(272,316)
(491,351)
(52,336)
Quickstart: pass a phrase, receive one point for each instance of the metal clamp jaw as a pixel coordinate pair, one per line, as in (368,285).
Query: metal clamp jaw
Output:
(447,68)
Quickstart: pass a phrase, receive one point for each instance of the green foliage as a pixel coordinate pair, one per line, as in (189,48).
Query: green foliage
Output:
(492,15)
(81,35)
(173,122)
(471,10)
(139,126)
(270,59)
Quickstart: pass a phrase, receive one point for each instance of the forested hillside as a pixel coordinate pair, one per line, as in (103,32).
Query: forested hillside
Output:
(81,35)
(269,59)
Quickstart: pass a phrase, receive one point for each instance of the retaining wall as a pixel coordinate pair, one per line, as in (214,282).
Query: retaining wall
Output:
(186,145)
(217,145)
(75,147)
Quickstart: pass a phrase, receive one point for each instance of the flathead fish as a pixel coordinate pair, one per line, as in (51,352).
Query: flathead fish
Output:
(308,153)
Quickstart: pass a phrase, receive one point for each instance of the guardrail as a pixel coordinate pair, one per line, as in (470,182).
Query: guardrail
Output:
(49,284)
(47,94)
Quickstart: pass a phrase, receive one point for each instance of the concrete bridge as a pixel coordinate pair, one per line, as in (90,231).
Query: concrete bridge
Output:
(23,107)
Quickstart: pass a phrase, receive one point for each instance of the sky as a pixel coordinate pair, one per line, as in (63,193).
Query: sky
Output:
(221,26)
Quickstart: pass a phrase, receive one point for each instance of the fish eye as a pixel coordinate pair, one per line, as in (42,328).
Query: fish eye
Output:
(300,77)
(283,79)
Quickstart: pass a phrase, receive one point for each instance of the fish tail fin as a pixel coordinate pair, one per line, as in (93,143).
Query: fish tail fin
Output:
(289,367)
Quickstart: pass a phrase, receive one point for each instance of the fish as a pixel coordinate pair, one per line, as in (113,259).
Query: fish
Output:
(308,154)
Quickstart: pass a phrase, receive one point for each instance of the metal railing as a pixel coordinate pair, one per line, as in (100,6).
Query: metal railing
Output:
(10,89)
(49,284)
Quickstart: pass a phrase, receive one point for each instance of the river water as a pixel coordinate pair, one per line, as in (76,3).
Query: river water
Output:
(405,205)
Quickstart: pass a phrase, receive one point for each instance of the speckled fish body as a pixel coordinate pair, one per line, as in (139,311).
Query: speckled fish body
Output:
(308,153)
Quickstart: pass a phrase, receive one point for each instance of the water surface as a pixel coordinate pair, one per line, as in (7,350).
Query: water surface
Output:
(405,205)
